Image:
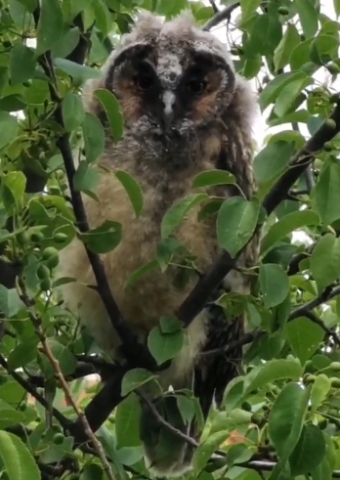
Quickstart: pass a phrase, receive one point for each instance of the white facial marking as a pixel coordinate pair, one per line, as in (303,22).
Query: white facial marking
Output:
(168,100)
(169,68)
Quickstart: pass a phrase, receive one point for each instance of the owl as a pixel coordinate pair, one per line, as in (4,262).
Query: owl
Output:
(185,111)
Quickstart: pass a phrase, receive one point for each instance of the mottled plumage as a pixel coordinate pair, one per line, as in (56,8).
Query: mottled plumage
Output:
(185,111)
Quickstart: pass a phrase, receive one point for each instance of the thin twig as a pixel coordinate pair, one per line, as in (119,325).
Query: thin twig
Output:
(163,422)
(267,466)
(219,17)
(36,322)
(240,342)
(64,422)
(305,312)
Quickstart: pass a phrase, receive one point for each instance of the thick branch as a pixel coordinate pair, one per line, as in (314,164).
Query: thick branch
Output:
(101,406)
(301,160)
(210,281)
(135,354)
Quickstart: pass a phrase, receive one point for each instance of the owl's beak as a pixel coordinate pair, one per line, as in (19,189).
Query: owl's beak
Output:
(168,115)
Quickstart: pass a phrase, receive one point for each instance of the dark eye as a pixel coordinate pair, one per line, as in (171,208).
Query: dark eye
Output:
(196,85)
(144,80)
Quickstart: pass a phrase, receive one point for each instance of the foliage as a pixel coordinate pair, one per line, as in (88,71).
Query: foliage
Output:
(280,417)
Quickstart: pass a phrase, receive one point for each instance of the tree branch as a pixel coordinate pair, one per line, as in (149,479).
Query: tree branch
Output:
(163,422)
(301,311)
(211,280)
(101,406)
(64,422)
(267,466)
(135,353)
(219,17)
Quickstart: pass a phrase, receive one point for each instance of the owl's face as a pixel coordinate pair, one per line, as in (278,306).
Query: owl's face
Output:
(172,77)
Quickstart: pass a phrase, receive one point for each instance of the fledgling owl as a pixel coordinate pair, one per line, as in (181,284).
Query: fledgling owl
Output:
(185,111)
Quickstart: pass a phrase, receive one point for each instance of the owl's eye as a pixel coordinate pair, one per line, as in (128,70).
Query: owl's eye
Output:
(144,81)
(196,85)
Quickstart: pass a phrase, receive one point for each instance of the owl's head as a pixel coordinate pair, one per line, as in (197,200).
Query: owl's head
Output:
(172,74)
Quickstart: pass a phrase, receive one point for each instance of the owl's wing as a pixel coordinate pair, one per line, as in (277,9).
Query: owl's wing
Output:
(213,373)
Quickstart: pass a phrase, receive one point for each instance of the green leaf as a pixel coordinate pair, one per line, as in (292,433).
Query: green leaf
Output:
(265,34)
(205,450)
(323,48)
(18,461)
(272,160)
(186,406)
(22,64)
(141,271)
(8,128)
(72,111)
(50,26)
(177,212)
(130,455)
(304,337)
(309,451)
(213,177)
(135,378)
(274,284)
(288,224)
(287,96)
(326,193)
(67,361)
(322,471)
(92,471)
(170,324)
(79,73)
(165,346)
(13,190)
(113,112)
(23,354)
(86,178)
(273,88)
(236,223)
(308,17)
(67,43)
(133,190)
(103,17)
(286,418)
(320,389)
(29,4)
(10,302)
(325,261)
(336,5)
(103,239)
(127,422)
(289,41)
(249,8)
(9,416)
(94,137)
(273,370)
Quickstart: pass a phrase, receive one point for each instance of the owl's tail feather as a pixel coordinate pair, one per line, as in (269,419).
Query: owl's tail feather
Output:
(167,454)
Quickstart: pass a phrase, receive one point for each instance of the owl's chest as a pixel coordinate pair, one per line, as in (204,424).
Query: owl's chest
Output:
(156,293)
